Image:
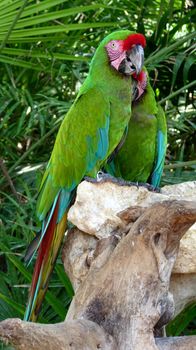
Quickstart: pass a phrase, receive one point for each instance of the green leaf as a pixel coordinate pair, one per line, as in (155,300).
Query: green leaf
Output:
(46,17)
(18,307)
(40,54)
(178,62)
(165,52)
(55,29)
(14,202)
(65,280)
(181,22)
(175,93)
(188,64)
(56,304)
(179,324)
(18,264)
(19,63)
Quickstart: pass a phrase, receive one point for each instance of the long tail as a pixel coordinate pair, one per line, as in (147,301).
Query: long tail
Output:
(47,254)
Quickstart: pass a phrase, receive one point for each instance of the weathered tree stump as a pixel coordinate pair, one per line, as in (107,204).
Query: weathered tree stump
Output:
(120,270)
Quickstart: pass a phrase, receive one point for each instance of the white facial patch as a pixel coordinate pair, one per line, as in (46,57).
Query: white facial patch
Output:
(116,62)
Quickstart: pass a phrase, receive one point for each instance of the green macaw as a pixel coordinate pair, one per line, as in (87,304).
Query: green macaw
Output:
(140,158)
(88,135)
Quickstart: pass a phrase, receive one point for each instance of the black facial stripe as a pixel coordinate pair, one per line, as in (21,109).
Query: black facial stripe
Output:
(122,66)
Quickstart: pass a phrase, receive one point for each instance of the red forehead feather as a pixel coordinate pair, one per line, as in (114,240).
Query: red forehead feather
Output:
(134,39)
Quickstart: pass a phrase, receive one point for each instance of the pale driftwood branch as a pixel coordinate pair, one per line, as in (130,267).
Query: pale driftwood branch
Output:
(79,334)
(130,290)
(177,343)
(75,335)
(96,211)
(122,284)
(183,289)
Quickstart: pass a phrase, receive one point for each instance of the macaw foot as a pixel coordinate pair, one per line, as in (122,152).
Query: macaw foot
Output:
(149,187)
(104,177)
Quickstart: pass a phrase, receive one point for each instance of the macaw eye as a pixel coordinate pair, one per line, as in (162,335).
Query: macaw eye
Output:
(114,45)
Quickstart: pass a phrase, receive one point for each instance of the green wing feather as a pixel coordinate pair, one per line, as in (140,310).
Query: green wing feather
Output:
(161,146)
(81,146)
(82,143)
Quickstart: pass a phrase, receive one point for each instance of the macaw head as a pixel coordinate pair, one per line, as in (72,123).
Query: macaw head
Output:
(125,51)
(141,80)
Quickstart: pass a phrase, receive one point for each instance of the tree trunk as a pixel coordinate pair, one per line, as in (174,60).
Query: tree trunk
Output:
(121,279)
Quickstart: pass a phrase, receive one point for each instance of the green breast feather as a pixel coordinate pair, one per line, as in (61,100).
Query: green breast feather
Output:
(141,157)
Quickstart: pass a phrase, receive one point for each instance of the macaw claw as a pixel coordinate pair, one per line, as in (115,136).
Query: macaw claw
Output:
(104,177)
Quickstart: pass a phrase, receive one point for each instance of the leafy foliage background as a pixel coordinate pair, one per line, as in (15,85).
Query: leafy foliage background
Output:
(45,50)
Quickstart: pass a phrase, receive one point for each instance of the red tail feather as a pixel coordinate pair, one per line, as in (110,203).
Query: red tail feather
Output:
(47,254)
(43,249)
